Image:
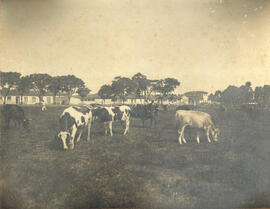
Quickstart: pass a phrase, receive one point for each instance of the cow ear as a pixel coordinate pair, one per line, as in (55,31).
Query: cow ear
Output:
(59,135)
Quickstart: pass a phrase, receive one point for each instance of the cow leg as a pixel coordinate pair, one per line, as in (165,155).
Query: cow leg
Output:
(127,127)
(207,134)
(64,141)
(106,127)
(72,137)
(198,138)
(110,128)
(80,134)
(182,134)
(89,129)
(179,137)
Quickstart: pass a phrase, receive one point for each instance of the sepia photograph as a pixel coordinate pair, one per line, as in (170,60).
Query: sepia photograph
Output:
(146,104)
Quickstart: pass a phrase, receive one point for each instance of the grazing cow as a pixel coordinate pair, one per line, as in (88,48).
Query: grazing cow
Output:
(109,114)
(196,119)
(72,120)
(145,112)
(16,114)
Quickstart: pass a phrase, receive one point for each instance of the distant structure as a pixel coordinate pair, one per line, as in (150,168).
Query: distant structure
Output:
(197,97)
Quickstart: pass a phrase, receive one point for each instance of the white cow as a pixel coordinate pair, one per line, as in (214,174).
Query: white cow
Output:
(71,120)
(195,119)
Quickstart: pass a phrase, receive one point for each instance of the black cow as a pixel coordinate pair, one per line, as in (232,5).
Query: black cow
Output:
(146,112)
(15,113)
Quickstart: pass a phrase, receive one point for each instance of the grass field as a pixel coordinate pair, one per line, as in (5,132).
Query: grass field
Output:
(145,169)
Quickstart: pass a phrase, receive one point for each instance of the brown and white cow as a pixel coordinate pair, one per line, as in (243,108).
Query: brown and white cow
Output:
(108,115)
(74,119)
(195,119)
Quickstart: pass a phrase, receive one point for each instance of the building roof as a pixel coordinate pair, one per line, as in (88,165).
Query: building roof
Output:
(193,93)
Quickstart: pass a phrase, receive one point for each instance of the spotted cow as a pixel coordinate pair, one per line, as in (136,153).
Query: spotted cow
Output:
(108,115)
(74,119)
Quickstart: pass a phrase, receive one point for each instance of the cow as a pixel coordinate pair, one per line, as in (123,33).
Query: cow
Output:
(195,119)
(108,115)
(146,112)
(74,119)
(15,113)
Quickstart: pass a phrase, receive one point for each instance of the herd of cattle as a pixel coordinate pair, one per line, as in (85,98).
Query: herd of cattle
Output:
(75,119)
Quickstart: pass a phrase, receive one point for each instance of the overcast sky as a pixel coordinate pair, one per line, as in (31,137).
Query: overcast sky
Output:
(205,44)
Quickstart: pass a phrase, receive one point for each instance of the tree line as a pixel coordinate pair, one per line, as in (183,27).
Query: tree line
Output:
(139,86)
(41,84)
(234,95)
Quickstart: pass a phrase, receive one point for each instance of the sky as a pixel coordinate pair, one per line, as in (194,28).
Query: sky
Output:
(205,44)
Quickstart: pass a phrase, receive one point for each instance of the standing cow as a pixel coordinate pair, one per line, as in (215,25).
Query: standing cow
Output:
(146,112)
(15,113)
(109,114)
(195,119)
(72,120)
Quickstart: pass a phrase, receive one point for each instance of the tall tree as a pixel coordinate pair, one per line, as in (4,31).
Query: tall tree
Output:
(230,96)
(258,94)
(166,86)
(55,86)
(142,84)
(105,92)
(71,84)
(246,93)
(122,87)
(266,94)
(40,83)
(215,97)
(8,81)
(83,92)
(24,85)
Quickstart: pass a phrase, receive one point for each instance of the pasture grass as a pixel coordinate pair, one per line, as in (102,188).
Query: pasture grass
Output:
(145,169)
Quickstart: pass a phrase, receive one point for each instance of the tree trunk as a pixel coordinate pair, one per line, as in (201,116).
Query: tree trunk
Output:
(54,98)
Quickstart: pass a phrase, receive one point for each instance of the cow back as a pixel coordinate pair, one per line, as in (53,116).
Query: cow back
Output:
(102,114)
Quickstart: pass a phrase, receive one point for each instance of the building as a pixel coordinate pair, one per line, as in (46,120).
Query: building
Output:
(197,97)
(28,98)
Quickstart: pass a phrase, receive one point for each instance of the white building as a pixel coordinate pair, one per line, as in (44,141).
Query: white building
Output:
(29,98)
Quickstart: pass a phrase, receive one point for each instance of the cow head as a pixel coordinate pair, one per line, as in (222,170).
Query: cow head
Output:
(215,133)
(63,135)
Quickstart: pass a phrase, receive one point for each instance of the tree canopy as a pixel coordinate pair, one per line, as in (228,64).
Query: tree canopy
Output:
(83,92)
(8,81)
